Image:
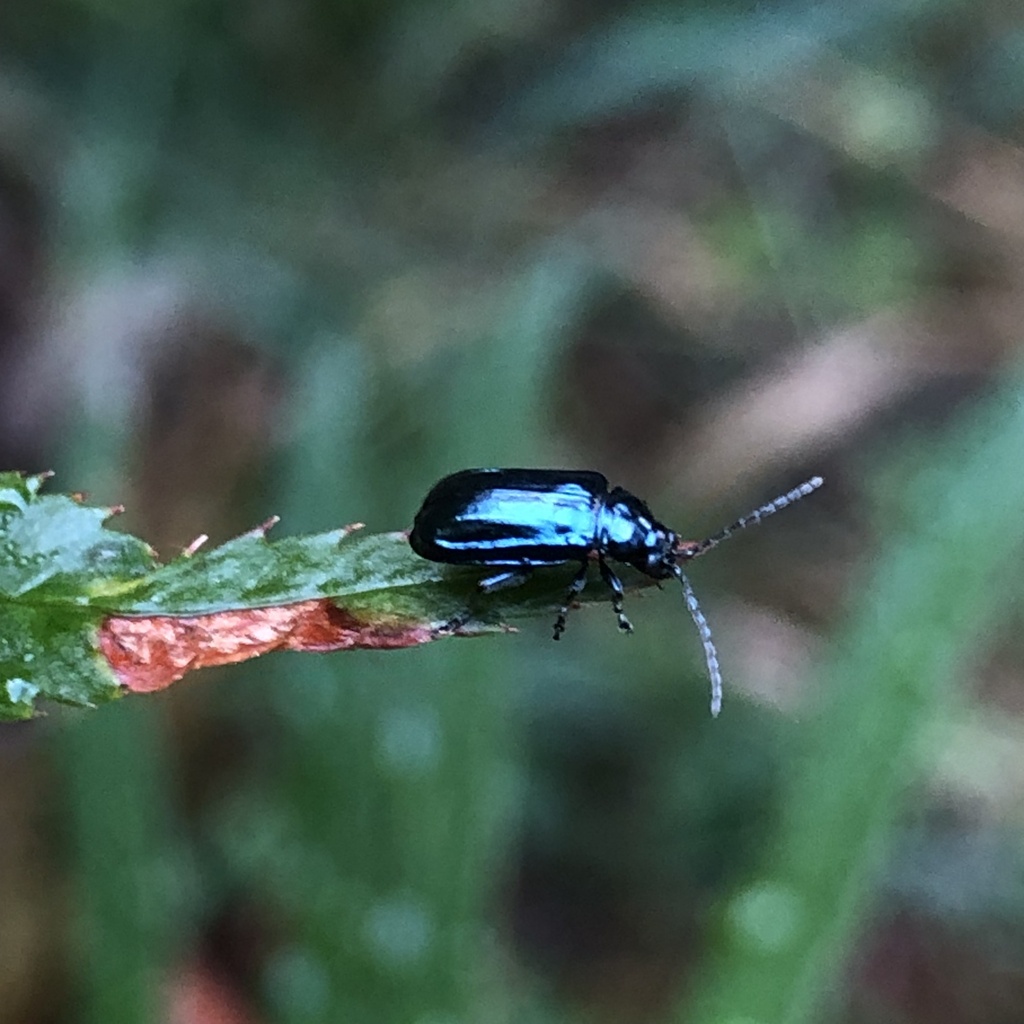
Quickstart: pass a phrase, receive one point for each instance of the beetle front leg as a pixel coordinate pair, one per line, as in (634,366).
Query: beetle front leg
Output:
(575,589)
(615,583)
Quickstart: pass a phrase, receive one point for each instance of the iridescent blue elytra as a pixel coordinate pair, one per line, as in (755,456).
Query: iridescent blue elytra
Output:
(518,519)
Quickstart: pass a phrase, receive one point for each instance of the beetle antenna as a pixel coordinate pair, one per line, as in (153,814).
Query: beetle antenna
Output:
(807,487)
(704,630)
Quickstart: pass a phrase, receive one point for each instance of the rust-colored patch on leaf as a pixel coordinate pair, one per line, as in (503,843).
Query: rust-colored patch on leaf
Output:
(149,653)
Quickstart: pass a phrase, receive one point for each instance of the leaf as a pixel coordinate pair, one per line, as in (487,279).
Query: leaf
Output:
(88,613)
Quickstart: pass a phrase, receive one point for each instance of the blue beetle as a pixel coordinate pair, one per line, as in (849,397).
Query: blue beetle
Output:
(519,519)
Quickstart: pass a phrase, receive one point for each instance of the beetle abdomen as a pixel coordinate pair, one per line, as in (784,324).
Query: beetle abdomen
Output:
(510,517)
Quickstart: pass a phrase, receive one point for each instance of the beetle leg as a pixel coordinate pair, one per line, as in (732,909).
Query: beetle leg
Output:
(451,626)
(575,589)
(504,580)
(615,583)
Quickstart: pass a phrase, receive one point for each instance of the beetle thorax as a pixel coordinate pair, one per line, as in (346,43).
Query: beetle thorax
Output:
(628,532)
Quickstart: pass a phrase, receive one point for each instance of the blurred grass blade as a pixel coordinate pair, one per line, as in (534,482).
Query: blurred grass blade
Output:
(635,57)
(943,580)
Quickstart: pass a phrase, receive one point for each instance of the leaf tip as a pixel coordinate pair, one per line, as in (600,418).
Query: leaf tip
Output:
(469,627)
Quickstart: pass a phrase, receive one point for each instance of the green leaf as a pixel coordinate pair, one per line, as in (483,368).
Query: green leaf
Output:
(88,613)
(55,548)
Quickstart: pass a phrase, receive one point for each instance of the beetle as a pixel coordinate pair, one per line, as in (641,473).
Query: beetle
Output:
(516,520)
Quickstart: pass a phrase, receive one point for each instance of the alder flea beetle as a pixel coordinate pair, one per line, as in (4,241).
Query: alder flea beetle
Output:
(518,519)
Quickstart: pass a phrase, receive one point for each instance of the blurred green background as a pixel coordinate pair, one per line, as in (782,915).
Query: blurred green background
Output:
(303,258)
